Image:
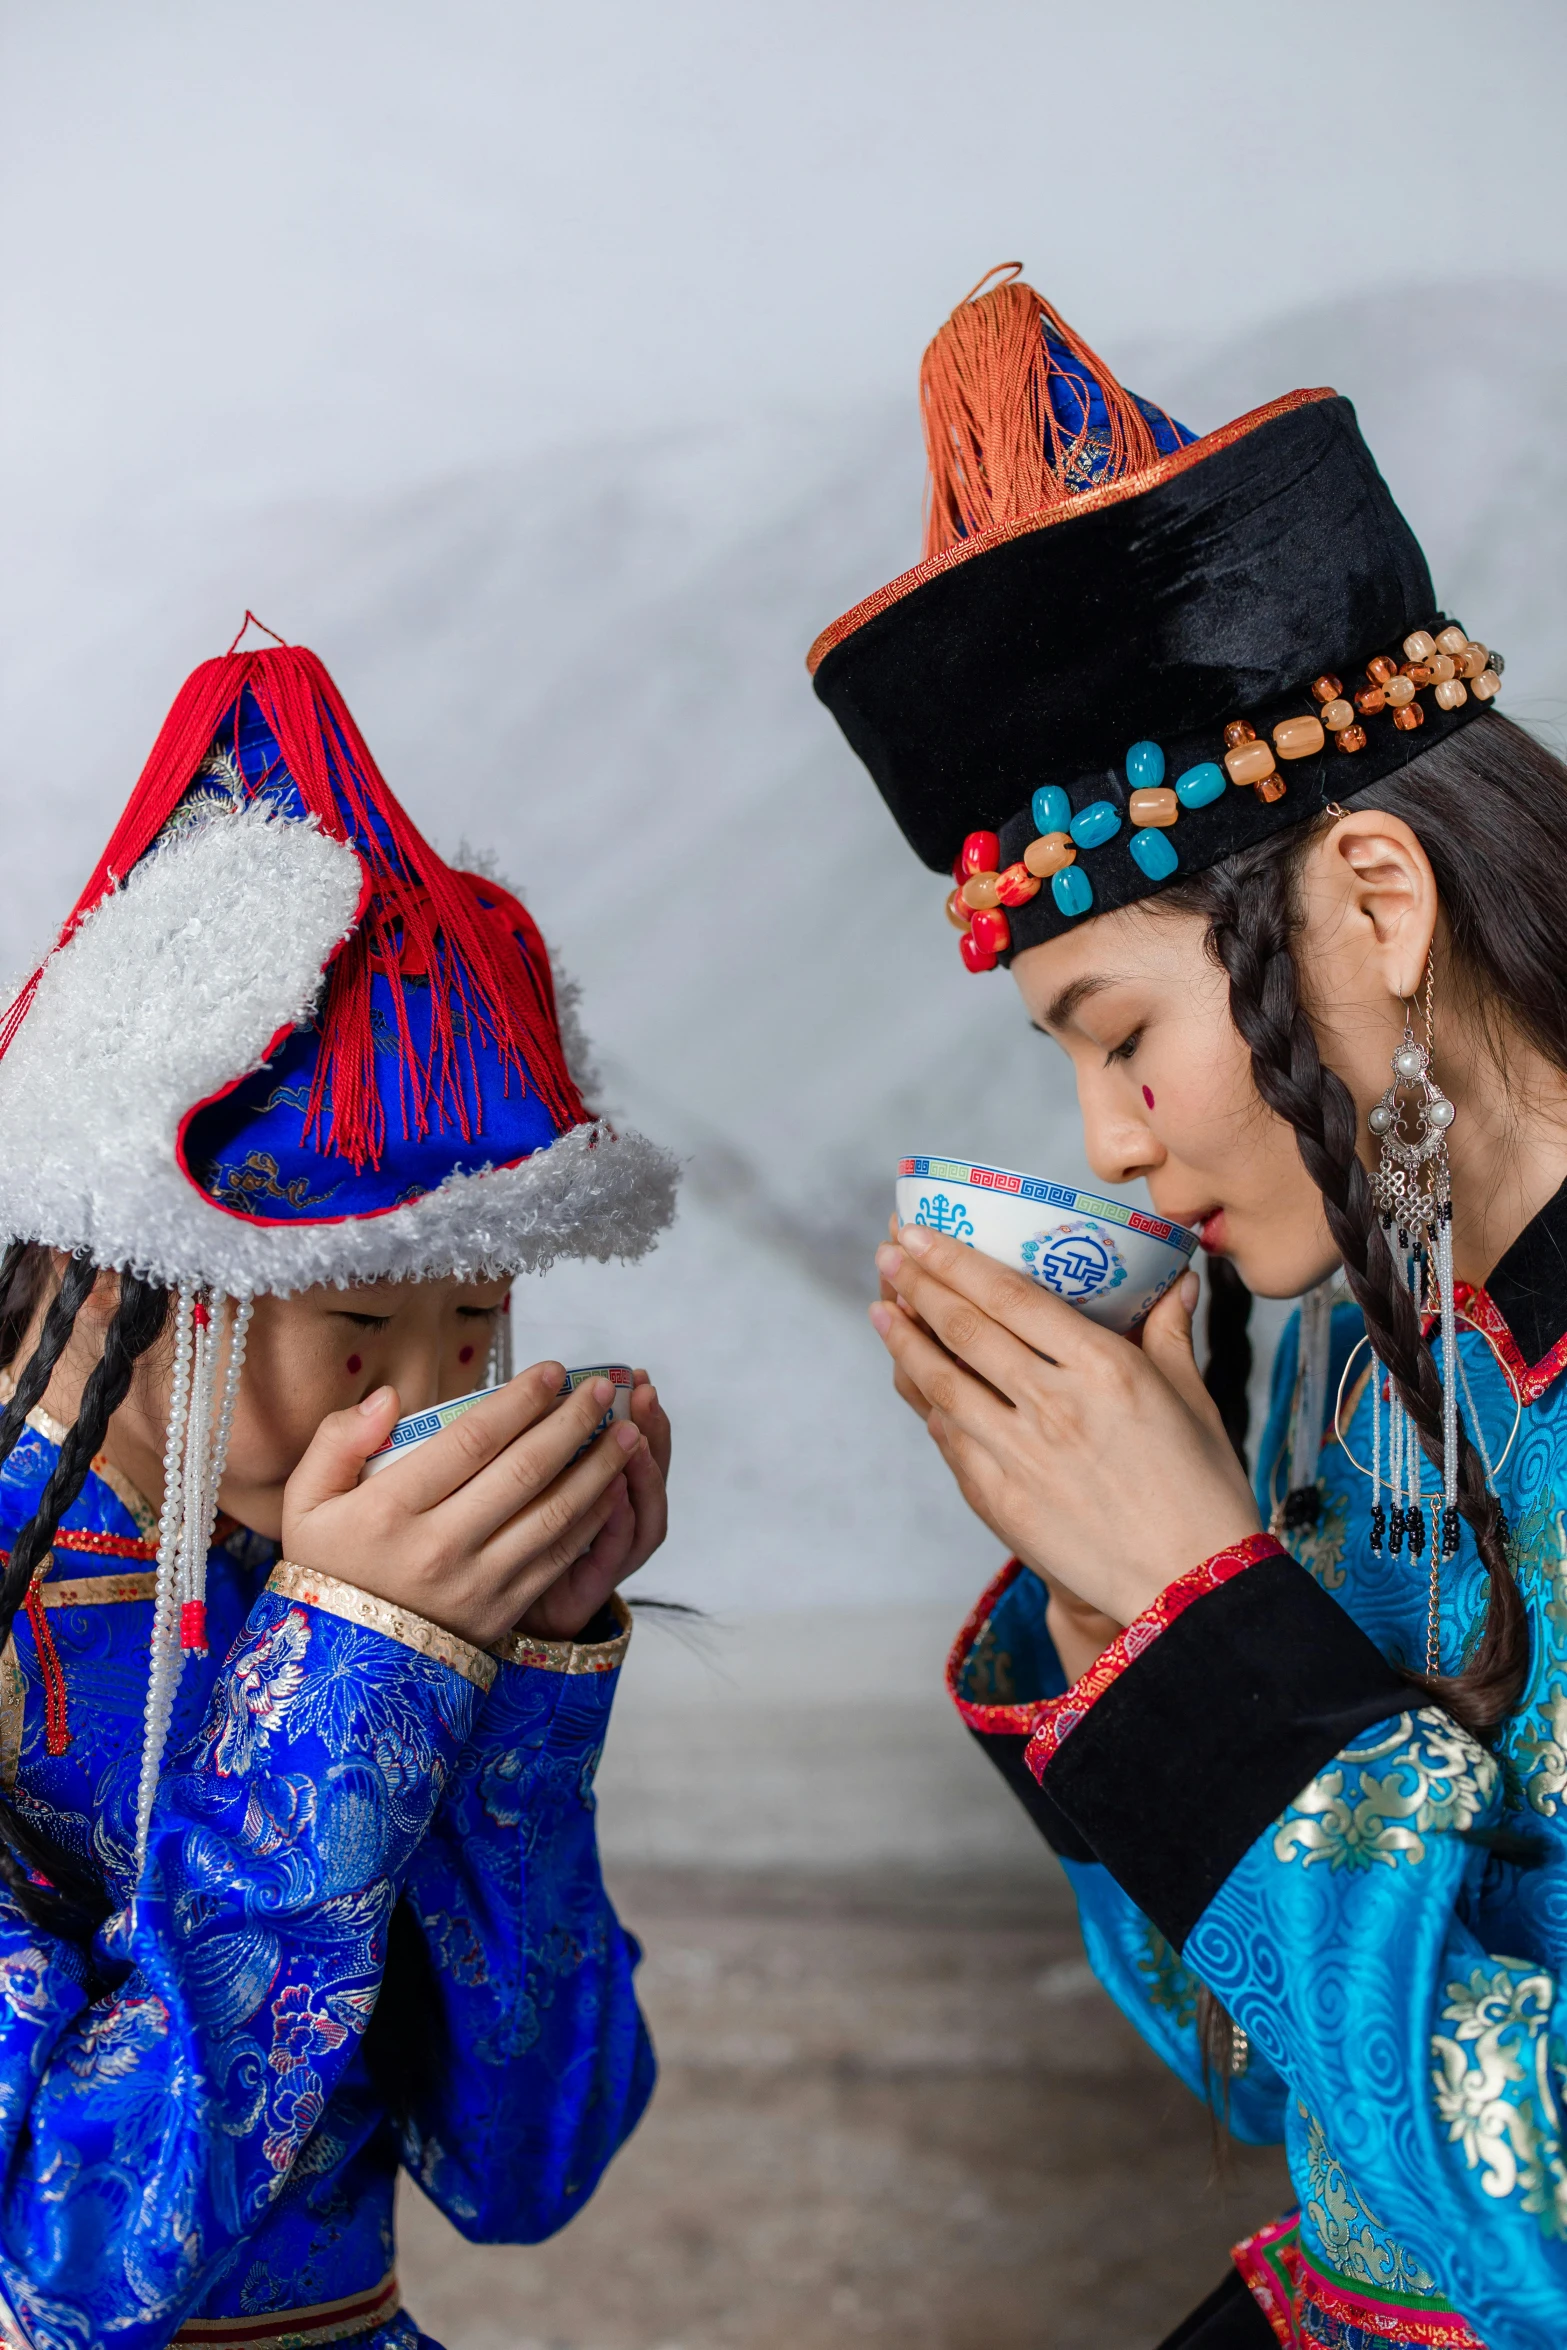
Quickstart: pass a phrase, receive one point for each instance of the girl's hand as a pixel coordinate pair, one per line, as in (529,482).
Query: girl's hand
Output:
(636,1525)
(1102,1464)
(476,1524)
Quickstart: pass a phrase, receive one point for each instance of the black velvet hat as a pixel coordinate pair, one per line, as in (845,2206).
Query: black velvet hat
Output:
(1130,652)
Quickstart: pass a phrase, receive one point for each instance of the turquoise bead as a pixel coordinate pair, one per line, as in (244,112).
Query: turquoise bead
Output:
(1052,809)
(1144,766)
(1072,890)
(1201,784)
(1151,849)
(1099,821)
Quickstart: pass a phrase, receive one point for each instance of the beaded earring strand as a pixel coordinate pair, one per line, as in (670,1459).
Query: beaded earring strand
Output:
(1412,1193)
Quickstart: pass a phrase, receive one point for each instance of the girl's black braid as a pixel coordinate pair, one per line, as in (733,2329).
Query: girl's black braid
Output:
(77,1904)
(1251,930)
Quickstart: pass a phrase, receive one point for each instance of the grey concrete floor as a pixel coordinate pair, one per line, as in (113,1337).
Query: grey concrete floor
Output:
(894,2106)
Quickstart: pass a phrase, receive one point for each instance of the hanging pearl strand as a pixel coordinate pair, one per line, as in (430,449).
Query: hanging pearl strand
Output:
(164,1657)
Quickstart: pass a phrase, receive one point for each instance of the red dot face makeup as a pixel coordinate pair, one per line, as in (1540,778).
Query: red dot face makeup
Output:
(354,1364)
(1147,1097)
(465,1354)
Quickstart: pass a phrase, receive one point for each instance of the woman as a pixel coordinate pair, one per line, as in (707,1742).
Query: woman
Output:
(1304,1751)
(297,1868)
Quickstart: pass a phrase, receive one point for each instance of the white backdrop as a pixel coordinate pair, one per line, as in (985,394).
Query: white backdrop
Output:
(553,377)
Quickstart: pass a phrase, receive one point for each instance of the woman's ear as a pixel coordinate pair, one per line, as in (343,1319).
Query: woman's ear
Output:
(1374,881)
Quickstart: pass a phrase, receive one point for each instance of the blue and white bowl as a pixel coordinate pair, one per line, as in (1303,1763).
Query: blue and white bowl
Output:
(1112,1262)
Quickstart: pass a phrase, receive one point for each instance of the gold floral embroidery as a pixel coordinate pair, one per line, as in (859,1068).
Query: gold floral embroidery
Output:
(335,1598)
(1320,1548)
(1542,1746)
(1350,2234)
(1353,1817)
(1499,2052)
(1171,1985)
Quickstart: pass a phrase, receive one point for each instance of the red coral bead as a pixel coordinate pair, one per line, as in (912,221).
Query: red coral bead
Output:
(1017,885)
(981,853)
(992,930)
(975,957)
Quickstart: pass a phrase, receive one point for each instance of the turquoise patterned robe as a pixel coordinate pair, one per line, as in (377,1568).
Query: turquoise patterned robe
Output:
(1248,1795)
(189,2129)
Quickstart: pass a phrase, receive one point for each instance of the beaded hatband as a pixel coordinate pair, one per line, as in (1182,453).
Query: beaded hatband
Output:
(1452,665)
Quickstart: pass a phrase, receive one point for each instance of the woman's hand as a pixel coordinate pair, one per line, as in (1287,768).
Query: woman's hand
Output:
(636,1525)
(1102,1464)
(477,1524)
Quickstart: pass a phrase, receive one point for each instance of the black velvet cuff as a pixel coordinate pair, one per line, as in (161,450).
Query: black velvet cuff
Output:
(1205,1737)
(1006,1751)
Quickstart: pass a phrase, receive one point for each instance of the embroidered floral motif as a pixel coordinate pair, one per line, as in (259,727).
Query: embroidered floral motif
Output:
(1172,1987)
(1494,2076)
(1320,1548)
(1353,2238)
(259,1177)
(1353,1817)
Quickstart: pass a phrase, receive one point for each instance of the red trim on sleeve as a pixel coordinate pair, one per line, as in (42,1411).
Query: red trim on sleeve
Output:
(1009,1720)
(1057,1717)
(1528,1381)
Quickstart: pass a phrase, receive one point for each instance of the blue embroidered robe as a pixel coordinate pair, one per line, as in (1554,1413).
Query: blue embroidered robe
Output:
(188,2127)
(1260,1803)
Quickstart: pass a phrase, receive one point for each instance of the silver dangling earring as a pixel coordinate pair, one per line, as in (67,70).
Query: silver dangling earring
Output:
(1412,1194)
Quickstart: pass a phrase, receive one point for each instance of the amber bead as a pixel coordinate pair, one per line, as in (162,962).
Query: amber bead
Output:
(1419,645)
(1239,730)
(1327,689)
(1353,738)
(1485,685)
(1272,787)
(1298,738)
(1017,885)
(1049,853)
(1441,667)
(1249,762)
(991,931)
(1399,690)
(1370,700)
(1451,641)
(1381,669)
(1338,714)
(1471,661)
(957,912)
(1155,804)
(1417,672)
(1409,717)
(980,890)
(1450,693)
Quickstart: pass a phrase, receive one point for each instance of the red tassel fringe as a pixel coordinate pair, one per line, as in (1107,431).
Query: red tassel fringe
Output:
(57,1727)
(423,921)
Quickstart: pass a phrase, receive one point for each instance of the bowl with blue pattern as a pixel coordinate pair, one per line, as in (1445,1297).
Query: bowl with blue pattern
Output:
(1112,1262)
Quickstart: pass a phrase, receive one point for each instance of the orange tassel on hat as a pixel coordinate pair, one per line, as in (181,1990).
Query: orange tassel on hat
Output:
(996,447)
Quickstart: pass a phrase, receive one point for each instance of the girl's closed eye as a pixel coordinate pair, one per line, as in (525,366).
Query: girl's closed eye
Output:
(1124,1050)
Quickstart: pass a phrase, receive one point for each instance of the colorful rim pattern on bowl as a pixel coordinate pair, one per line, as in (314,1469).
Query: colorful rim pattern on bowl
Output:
(1051,1195)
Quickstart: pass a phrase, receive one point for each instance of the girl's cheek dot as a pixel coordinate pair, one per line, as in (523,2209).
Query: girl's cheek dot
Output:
(465,1355)
(354,1364)
(1147,1097)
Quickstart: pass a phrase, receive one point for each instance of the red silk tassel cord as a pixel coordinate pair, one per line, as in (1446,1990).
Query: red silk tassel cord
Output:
(422,919)
(57,1728)
(995,448)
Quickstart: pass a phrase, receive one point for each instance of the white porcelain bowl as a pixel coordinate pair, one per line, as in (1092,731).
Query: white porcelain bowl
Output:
(419,1427)
(1112,1262)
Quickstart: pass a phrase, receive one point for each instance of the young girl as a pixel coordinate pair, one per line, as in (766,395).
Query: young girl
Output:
(296,1837)
(1227,791)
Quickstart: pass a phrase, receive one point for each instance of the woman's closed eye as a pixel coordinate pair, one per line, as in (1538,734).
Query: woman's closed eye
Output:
(1124,1050)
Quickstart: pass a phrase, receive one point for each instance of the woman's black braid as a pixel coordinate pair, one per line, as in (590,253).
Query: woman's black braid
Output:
(74,1902)
(1252,921)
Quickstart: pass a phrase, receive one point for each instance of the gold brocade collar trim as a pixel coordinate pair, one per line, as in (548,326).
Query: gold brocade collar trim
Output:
(1110,493)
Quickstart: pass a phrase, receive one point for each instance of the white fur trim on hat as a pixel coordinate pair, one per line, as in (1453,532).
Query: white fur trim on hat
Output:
(173,988)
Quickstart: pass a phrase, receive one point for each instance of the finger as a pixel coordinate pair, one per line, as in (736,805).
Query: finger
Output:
(648,1414)
(543,1525)
(439,1466)
(566,1559)
(949,1387)
(340,1448)
(504,1484)
(649,1499)
(1167,1343)
(1037,1316)
(964,1328)
(614,1545)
